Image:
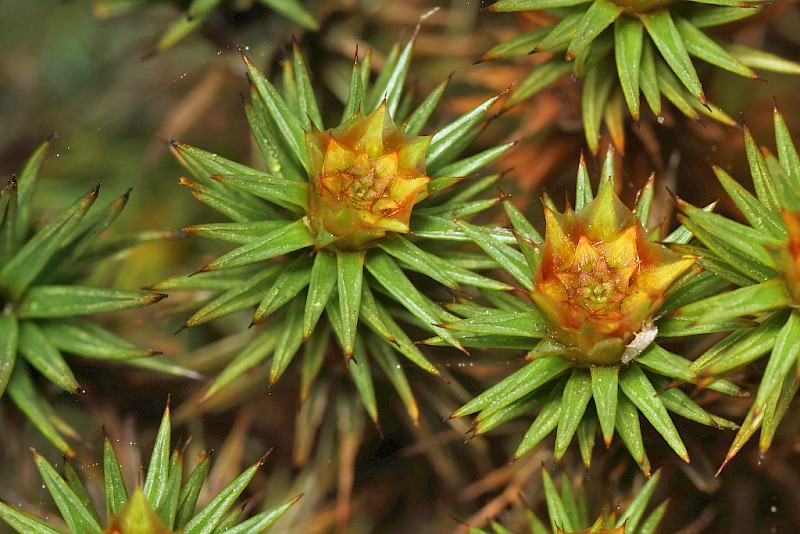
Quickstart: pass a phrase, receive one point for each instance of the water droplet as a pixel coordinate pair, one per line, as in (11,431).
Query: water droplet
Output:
(773,508)
(660,119)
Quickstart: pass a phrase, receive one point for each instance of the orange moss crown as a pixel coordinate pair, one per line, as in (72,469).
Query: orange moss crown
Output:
(367,174)
(601,281)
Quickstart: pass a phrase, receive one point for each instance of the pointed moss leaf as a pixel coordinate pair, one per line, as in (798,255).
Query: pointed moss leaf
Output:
(74,482)
(628,39)
(419,117)
(362,377)
(559,518)
(519,45)
(191,491)
(784,184)
(524,5)
(176,31)
(540,78)
(314,350)
(666,363)
(633,513)
(543,425)
(676,327)
(394,372)
(511,260)
(355,95)
(285,193)
(236,232)
(388,274)
(309,109)
(25,523)
(648,78)
(605,388)
(291,237)
(784,356)
(22,391)
(77,517)
(700,45)
(577,393)
(258,350)
(516,324)
(290,337)
(393,89)
(277,155)
(116,494)
(169,503)
(486,421)
(520,223)
(759,59)
(775,410)
(155,482)
(756,213)
(204,164)
(26,181)
(420,260)
(747,300)
(45,357)
(740,347)
(569,500)
(587,435)
(382,323)
(18,274)
(453,138)
(350,266)
(600,15)
(289,283)
(67,301)
(676,401)
(729,256)
(259,522)
(637,387)
(665,35)
(532,376)
(627,425)
(207,519)
(762,182)
(323,279)
(742,238)
(90,340)
(9,333)
(247,293)
(597,87)
(288,124)
(471,164)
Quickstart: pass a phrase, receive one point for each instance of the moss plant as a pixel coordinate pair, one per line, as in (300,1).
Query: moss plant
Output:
(42,300)
(325,236)
(568,512)
(760,257)
(163,503)
(650,44)
(599,284)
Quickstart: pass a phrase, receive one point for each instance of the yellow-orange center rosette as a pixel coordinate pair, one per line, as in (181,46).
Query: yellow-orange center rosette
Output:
(601,281)
(367,174)
(137,517)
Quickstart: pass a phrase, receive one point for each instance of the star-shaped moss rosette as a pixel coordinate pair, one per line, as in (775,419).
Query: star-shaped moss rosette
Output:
(197,11)
(650,44)
(163,504)
(327,233)
(568,512)
(760,257)
(42,301)
(599,284)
